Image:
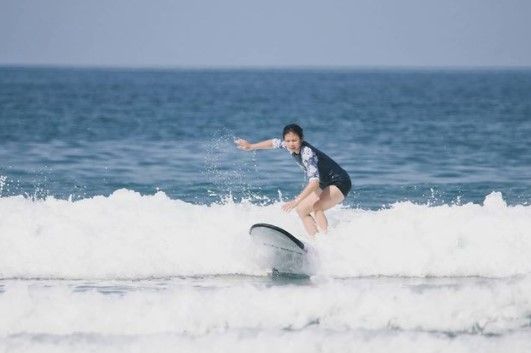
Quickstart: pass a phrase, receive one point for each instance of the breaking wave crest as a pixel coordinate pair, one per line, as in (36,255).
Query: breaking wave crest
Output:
(129,235)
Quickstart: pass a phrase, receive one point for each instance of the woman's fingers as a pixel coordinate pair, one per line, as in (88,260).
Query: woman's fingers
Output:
(288,206)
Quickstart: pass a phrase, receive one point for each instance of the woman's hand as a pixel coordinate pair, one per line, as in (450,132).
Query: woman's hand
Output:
(288,206)
(243,145)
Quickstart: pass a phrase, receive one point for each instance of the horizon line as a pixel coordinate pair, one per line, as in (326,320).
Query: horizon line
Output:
(268,67)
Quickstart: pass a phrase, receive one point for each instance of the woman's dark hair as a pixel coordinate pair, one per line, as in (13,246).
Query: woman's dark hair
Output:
(296,129)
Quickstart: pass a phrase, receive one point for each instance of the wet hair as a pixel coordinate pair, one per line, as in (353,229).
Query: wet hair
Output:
(296,129)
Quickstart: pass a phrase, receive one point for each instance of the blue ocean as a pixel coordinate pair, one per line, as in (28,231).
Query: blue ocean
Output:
(125,209)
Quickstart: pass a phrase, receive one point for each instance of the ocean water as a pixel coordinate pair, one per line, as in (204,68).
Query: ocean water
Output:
(125,209)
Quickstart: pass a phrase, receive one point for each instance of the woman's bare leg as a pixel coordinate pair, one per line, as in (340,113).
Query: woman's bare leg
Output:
(304,210)
(330,197)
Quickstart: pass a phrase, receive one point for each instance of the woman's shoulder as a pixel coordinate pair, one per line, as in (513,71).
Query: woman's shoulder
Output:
(307,146)
(307,150)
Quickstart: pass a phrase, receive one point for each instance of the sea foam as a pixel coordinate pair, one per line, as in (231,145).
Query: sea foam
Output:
(461,307)
(129,235)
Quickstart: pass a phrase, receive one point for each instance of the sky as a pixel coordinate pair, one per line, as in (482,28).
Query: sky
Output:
(267,33)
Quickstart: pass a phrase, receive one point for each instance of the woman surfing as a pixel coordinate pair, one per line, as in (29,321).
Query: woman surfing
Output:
(328,183)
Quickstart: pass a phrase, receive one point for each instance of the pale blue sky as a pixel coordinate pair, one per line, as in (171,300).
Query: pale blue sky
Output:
(269,33)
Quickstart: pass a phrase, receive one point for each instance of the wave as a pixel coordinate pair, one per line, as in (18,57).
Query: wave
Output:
(129,235)
(464,307)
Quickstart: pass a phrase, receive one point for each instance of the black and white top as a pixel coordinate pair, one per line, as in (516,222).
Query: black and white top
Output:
(318,166)
(307,159)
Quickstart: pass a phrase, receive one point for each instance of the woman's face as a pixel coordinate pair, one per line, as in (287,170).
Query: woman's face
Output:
(293,142)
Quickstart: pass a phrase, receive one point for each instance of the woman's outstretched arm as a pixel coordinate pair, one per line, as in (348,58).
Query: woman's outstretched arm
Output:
(247,146)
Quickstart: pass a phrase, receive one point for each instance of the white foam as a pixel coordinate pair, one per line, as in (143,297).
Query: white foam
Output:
(266,342)
(491,240)
(369,313)
(129,235)
(3,180)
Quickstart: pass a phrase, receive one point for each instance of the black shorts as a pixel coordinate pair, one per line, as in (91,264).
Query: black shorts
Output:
(343,184)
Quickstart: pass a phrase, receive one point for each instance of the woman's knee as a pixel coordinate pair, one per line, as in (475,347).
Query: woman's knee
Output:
(318,206)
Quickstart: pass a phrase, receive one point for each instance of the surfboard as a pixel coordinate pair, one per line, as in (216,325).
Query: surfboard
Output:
(281,251)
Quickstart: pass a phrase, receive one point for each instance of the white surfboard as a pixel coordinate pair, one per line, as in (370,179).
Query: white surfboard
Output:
(280,251)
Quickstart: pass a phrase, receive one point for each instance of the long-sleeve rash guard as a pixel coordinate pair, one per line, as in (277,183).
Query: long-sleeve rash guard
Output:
(318,166)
